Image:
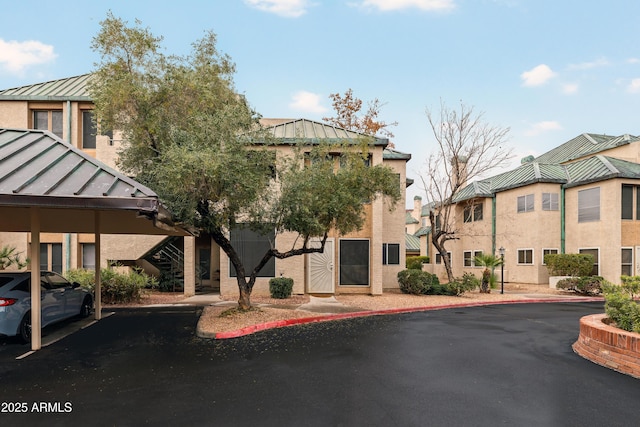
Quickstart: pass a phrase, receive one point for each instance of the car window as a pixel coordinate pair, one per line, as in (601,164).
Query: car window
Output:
(56,280)
(23,285)
(4,280)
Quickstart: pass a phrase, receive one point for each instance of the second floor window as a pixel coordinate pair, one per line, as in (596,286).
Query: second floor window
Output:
(550,202)
(525,203)
(473,212)
(589,205)
(50,120)
(88,130)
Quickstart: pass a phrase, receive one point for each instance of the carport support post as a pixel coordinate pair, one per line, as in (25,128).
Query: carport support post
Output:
(36,304)
(98,287)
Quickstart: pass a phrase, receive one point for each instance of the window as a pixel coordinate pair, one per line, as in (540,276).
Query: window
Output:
(88,130)
(548,252)
(589,205)
(88,256)
(596,259)
(391,253)
(251,247)
(525,256)
(50,120)
(477,212)
(627,202)
(627,262)
(354,262)
(473,212)
(525,203)
(51,257)
(550,202)
(439,257)
(467,259)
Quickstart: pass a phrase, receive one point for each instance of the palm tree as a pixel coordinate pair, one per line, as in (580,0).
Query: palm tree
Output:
(490,262)
(9,257)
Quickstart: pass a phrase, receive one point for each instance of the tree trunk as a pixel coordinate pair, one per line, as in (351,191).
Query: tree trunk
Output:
(486,276)
(244,302)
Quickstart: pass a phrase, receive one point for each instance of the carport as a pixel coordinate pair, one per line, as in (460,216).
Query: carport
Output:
(47,185)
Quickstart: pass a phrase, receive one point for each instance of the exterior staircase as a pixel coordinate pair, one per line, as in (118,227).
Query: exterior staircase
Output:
(168,257)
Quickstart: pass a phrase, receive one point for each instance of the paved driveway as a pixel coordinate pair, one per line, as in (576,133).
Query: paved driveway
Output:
(482,366)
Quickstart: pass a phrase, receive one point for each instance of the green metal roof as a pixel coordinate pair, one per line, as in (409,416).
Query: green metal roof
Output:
(69,89)
(412,243)
(303,129)
(409,219)
(422,231)
(584,145)
(390,154)
(592,169)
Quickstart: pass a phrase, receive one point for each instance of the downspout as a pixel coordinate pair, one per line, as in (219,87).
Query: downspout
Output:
(67,236)
(493,224)
(562,221)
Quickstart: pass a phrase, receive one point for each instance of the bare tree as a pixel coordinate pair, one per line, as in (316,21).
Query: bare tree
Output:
(466,148)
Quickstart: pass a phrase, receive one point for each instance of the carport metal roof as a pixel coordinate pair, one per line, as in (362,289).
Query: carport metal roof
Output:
(37,169)
(47,185)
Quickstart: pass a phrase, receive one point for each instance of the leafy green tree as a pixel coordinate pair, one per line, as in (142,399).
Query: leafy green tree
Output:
(193,139)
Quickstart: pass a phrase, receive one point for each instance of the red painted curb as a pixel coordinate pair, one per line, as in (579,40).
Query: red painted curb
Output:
(327,317)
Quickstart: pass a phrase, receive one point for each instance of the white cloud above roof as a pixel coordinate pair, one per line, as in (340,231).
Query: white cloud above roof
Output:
(537,76)
(285,8)
(389,5)
(307,102)
(15,56)
(634,86)
(601,62)
(541,127)
(570,88)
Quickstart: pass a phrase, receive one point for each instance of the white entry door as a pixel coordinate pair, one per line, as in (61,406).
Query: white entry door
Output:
(320,276)
(637,259)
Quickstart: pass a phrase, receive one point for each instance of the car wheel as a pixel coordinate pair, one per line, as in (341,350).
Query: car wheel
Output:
(24,331)
(87,307)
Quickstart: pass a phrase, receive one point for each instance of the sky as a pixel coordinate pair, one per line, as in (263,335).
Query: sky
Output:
(549,70)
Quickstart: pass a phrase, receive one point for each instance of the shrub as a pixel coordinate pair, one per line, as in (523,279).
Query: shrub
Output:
(460,285)
(588,285)
(280,287)
(415,262)
(569,264)
(620,306)
(417,282)
(116,287)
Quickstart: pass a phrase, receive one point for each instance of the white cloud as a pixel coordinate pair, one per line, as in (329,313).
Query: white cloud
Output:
(16,56)
(389,5)
(307,102)
(537,76)
(634,86)
(570,88)
(544,126)
(285,8)
(601,62)
(633,60)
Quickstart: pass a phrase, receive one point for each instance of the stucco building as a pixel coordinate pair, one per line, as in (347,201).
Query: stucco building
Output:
(581,197)
(377,252)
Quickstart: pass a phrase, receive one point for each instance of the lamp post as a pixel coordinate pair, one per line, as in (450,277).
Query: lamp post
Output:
(501,250)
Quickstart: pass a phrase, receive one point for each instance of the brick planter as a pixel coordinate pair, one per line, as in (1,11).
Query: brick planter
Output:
(610,347)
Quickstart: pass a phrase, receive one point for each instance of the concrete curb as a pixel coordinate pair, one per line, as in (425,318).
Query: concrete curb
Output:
(339,316)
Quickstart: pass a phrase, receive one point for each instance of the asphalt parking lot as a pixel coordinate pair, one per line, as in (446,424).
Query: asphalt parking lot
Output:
(481,366)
